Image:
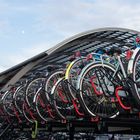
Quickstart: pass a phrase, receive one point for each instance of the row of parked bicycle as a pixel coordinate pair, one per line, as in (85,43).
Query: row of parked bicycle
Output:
(104,83)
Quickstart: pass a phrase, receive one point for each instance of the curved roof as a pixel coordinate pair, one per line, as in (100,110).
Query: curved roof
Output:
(89,32)
(59,54)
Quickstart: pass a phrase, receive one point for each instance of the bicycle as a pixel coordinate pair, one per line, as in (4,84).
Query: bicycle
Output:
(98,76)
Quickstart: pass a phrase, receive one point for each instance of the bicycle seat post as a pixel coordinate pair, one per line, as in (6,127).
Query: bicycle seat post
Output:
(121,65)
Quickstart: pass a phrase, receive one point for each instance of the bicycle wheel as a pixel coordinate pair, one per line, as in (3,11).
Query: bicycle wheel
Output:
(61,101)
(72,74)
(27,112)
(7,101)
(18,97)
(134,71)
(43,108)
(31,91)
(96,85)
(32,88)
(51,79)
(3,115)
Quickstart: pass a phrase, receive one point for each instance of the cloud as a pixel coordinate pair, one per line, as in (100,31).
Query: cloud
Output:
(23,54)
(53,21)
(70,17)
(35,49)
(2,68)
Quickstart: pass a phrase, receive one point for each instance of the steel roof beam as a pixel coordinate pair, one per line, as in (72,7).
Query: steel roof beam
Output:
(20,73)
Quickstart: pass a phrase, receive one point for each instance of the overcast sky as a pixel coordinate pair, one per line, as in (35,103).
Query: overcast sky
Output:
(29,27)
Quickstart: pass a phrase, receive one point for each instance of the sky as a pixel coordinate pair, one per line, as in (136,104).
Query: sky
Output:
(29,27)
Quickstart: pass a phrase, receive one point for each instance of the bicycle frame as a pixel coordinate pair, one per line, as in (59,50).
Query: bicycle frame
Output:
(131,61)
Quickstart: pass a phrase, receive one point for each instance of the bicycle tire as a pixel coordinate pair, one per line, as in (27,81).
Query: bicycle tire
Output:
(41,106)
(80,83)
(18,98)
(71,75)
(62,104)
(32,88)
(51,80)
(133,70)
